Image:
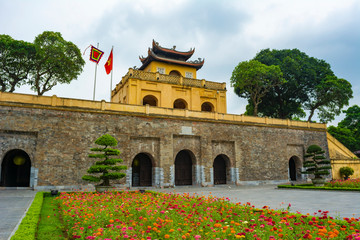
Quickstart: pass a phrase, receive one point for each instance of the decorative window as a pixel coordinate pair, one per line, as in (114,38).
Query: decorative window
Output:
(188,74)
(207,107)
(150,100)
(174,73)
(161,70)
(180,103)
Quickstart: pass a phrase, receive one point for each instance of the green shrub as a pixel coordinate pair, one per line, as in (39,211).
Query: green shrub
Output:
(316,163)
(107,167)
(27,228)
(346,171)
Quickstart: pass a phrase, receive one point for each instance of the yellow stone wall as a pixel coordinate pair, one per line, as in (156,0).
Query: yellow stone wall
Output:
(340,157)
(336,164)
(136,84)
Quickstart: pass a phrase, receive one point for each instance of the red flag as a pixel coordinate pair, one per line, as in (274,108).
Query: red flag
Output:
(95,54)
(109,63)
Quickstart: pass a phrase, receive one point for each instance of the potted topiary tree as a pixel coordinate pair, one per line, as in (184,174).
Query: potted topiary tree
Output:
(346,172)
(316,164)
(105,169)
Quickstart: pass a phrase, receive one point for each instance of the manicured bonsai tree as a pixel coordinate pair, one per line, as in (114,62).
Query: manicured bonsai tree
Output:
(316,164)
(346,172)
(105,169)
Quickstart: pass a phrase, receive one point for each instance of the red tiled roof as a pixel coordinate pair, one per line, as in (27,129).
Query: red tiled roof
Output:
(154,57)
(171,53)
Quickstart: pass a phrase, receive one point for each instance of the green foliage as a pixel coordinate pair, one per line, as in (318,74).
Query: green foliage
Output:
(315,163)
(106,140)
(348,130)
(314,149)
(50,226)
(48,61)
(346,171)
(310,85)
(105,169)
(91,178)
(311,186)
(27,228)
(252,80)
(16,61)
(57,61)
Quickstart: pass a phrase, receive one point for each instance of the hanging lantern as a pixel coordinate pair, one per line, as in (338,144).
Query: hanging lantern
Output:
(19,160)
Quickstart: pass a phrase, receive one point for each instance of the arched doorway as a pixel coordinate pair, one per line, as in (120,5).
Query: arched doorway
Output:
(150,100)
(183,168)
(141,170)
(180,104)
(15,169)
(174,73)
(294,168)
(220,170)
(207,107)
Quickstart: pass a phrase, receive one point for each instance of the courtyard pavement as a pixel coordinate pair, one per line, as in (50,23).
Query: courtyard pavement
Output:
(14,203)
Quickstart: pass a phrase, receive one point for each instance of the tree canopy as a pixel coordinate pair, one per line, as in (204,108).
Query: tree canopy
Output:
(48,61)
(252,80)
(348,130)
(310,85)
(16,61)
(57,61)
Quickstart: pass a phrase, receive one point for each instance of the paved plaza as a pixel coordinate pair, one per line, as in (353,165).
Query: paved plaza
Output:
(13,203)
(340,204)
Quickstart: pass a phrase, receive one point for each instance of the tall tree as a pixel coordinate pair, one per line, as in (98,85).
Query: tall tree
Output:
(57,61)
(328,97)
(16,61)
(252,80)
(348,130)
(310,85)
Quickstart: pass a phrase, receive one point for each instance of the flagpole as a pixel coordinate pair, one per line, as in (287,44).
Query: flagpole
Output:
(112,70)
(97,46)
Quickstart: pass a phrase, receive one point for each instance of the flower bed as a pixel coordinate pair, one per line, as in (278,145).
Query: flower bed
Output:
(134,215)
(349,183)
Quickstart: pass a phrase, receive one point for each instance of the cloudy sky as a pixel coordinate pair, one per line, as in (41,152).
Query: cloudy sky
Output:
(223,32)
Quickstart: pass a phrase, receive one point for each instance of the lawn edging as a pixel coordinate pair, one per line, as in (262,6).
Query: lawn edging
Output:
(311,187)
(28,226)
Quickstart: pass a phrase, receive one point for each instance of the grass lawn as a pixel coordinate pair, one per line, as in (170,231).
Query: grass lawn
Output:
(50,225)
(134,215)
(337,185)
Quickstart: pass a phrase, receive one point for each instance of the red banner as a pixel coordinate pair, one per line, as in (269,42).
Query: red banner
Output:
(95,54)
(109,63)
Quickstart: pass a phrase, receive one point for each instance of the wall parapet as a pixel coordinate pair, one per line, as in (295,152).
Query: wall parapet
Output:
(164,78)
(336,164)
(54,102)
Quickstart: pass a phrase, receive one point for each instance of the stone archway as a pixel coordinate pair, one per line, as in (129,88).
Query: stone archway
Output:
(294,168)
(180,104)
(174,73)
(207,107)
(141,170)
(15,169)
(221,169)
(150,100)
(183,168)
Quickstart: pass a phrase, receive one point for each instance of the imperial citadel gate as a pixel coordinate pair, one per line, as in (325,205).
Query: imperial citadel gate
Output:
(172,129)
